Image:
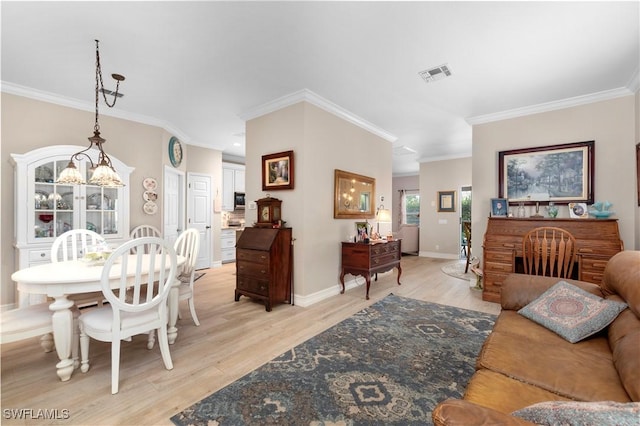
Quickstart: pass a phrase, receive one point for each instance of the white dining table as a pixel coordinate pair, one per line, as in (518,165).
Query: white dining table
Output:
(61,279)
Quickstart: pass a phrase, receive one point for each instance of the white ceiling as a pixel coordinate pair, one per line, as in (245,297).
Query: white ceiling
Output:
(195,68)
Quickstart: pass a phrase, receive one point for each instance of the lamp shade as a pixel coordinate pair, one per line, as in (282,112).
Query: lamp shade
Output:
(384,216)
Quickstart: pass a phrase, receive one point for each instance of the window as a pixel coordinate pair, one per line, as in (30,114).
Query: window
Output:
(411,213)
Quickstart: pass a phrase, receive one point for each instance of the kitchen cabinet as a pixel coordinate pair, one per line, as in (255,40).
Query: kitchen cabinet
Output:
(228,245)
(232,181)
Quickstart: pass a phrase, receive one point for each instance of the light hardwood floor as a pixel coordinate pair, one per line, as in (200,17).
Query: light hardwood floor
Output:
(233,338)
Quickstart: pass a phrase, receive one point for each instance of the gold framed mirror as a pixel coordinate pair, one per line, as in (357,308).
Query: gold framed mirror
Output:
(354,196)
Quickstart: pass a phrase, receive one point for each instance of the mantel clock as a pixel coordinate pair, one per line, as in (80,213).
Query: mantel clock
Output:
(269,212)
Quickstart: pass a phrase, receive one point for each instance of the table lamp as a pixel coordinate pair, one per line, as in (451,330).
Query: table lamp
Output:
(382,215)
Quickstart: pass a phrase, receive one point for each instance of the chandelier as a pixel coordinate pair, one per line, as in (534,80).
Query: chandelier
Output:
(103,173)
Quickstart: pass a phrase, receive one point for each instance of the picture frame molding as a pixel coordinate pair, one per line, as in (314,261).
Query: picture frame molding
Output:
(447,201)
(587,196)
(266,162)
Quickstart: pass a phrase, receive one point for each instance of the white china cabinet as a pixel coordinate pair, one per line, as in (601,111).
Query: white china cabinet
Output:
(45,209)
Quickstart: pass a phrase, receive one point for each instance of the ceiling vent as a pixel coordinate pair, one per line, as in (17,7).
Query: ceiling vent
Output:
(435,74)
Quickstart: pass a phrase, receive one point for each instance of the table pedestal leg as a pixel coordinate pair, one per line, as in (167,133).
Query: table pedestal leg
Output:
(172,330)
(62,321)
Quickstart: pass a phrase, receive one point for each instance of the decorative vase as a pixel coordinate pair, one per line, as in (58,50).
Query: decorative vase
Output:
(552,210)
(521,210)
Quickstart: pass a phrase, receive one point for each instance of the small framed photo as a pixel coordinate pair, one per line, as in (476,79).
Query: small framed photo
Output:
(499,207)
(446,201)
(578,210)
(363,232)
(277,171)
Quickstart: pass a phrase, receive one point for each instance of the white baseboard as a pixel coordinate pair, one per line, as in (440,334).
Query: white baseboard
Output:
(310,299)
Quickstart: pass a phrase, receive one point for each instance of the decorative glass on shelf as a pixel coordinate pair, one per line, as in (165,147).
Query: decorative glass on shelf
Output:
(53,203)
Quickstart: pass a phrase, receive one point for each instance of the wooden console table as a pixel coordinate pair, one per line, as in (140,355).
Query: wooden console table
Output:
(367,259)
(597,241)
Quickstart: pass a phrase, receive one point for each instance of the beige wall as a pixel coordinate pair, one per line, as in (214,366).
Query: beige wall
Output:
(28,124)
(322,142)
(439,231)
(613,126)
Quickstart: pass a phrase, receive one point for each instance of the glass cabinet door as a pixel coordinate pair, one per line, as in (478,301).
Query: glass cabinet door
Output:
(53,204)
(101,209)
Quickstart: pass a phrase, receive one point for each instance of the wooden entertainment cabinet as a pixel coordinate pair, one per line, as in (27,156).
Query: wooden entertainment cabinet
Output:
(597,241)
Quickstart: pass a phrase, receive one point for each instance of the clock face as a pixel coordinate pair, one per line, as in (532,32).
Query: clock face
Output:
(265,214)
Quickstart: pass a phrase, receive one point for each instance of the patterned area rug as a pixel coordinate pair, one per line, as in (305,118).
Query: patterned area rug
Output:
(456,269)
(391,364)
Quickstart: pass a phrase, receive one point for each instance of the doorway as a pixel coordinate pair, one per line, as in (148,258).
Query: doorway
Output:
(173,207)
(465,216)
(199,210)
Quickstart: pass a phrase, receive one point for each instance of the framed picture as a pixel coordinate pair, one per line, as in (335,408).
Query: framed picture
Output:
(499,207)
(277,171)
(578,210)
(565,172)
(363,232)
(446,201)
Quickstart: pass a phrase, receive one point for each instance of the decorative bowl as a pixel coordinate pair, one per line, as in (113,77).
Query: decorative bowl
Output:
(600,214)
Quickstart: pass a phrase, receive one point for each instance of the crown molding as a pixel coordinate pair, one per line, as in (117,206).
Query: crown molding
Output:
(444,157)
(40,95)
(306,95)
(551,106)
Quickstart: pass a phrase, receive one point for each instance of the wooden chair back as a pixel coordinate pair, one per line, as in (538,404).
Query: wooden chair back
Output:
(549,251)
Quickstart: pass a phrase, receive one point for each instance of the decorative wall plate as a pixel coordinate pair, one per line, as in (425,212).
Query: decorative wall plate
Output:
(150,184)
(150,196)
(150,207)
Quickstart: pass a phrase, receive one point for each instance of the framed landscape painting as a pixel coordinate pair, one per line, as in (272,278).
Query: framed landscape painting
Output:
(277,171)
(565,172)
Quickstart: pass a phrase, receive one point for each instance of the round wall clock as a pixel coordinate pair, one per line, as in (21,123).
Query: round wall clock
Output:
(175,151)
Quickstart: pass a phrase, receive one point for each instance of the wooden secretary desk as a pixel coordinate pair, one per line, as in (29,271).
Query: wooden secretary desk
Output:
(597,240)
(264,265)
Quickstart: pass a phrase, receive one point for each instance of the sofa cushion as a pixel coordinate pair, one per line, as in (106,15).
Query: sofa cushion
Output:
(504,394)
(581,413)
(518,290)
(582,373)
(572,312)
(525,330)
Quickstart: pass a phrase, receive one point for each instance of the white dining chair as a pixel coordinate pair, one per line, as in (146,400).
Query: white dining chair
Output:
(140,310)
(142,231)
(187,245)
(73,245)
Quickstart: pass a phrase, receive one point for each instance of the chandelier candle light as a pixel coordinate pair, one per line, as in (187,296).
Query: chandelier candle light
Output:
(103,172)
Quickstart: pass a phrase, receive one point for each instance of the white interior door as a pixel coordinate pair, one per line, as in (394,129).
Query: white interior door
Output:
(199,208)
(173,211)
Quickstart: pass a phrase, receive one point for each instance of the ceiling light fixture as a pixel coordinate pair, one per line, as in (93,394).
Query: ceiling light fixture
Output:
(103,173)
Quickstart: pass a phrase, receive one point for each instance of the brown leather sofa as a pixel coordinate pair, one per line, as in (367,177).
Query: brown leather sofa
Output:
(522,363)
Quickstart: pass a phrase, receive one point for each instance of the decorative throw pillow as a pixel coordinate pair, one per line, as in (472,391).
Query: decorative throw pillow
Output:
(571,312)
(570,413)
